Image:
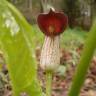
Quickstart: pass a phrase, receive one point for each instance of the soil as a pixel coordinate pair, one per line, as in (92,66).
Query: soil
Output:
(61,84)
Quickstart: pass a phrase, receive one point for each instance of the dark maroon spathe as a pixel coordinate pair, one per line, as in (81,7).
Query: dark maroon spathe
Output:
(52,23)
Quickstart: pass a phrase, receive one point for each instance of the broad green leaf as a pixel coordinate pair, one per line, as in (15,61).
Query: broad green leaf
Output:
(17,42)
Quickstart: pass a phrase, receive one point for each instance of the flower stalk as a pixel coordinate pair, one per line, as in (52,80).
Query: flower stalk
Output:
(52,25)
(48,83)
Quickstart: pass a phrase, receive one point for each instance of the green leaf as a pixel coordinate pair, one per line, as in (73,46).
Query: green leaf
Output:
(17,42)
(87,54)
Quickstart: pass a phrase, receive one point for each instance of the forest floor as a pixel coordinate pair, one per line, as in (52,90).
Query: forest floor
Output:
(61,80)
(72,45)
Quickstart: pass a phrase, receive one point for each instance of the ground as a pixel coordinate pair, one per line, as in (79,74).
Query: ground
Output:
(62,79)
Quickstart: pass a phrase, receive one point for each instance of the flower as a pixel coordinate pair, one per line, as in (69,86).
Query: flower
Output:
(52,23)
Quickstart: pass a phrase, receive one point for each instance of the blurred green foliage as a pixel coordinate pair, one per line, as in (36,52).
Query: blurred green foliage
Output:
(17,43)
